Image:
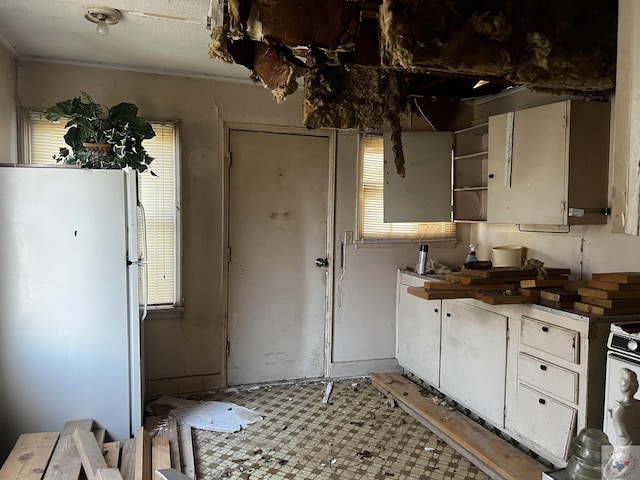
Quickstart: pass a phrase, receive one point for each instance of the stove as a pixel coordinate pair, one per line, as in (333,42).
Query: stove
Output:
(624,352)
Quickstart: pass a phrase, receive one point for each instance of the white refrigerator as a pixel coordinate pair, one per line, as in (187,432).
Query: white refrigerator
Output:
(70,320)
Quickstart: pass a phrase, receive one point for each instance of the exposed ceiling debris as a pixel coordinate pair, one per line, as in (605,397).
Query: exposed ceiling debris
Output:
(364,61)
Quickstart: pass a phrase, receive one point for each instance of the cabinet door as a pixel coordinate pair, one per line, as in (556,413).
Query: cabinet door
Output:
(473,358)
(532,187)
(418,336)
(424,193)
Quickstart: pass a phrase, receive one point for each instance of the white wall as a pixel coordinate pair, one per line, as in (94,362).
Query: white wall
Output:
(364,301)
(8,121)
(585,249)
(183,351)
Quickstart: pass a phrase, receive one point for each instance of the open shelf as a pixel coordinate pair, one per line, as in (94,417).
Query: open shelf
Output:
(470,173)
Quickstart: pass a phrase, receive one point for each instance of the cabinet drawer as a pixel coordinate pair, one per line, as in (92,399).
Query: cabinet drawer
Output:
(548,338)
(548,377)
(542,420)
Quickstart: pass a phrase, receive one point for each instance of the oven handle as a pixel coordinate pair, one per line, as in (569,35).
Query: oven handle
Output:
(624,358)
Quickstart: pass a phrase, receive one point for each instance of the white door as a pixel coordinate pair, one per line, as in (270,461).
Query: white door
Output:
(278,200)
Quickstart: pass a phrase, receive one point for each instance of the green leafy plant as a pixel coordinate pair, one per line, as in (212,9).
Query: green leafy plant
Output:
(121,128)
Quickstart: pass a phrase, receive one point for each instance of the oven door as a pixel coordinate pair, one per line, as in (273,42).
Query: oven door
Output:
(616,361)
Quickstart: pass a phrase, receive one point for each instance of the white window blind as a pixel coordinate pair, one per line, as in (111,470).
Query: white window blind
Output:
(371,225)
(158,195)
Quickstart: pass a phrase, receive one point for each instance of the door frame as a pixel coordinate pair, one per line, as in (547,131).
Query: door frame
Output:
(331,136)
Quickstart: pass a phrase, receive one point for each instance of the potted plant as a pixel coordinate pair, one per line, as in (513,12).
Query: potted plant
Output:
(113,140)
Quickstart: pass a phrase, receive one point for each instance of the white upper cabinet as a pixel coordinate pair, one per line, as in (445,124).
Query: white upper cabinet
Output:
(546,162)
(424,193)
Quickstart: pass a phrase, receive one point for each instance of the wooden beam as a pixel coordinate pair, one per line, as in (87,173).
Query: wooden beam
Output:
(108,474)
(65,462)
(29,457)
(186,450)
(160,454)
(128,463)
(142,462)
(493,455)
(90,453)
(111,453)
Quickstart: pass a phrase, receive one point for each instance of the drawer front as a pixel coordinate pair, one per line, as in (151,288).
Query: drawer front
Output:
(542,420)
(548,377)
(548,338)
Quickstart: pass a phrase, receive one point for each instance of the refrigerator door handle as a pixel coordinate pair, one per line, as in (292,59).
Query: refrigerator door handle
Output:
(143,262)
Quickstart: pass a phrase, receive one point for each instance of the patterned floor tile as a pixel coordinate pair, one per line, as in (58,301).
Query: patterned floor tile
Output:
(357,436)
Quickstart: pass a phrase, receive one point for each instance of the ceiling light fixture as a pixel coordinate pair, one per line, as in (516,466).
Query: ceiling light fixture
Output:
(104,17)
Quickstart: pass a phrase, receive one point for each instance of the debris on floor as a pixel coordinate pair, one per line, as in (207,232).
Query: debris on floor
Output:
(327,393)
(354,436)
(209,415)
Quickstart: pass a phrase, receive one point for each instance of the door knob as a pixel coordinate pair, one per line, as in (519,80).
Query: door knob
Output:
(322,262)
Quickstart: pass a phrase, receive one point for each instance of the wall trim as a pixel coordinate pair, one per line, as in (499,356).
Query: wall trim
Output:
(363,367)
(178,385)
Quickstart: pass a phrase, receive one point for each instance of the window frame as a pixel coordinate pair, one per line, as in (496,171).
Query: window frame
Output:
(390,242)
(25,145)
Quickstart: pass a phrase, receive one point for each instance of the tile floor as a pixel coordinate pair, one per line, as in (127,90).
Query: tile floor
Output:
(358,435)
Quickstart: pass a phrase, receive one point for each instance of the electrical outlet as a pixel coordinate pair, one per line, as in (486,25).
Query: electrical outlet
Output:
(348,237)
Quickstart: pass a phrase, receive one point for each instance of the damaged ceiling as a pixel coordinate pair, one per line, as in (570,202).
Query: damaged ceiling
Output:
(364,62)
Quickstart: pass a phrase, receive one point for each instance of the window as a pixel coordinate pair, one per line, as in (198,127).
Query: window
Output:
(371,227)
(159,196)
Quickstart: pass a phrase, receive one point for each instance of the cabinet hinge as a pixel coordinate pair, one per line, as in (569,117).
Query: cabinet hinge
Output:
(228,254)
(228,348)
(229,158)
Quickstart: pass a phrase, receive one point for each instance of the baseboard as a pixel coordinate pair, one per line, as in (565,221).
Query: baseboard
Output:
(363,367)
(174,386)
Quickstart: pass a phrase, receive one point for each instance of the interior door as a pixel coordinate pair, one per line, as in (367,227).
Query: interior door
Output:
(278,203)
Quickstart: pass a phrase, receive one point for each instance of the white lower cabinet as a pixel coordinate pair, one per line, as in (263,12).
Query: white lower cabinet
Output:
(536,374)
(418,331)
(473,359)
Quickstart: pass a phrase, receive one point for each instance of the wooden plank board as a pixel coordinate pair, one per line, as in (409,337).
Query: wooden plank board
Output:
(613,287)
(111,453)
(90,453)
(127,465)
(160,454)
(186,449)
(617,277)
(596,310)
(613,303)
(65,462)
(496,299)
(142,458)
(536,283)
(487,281)
(487,451)
(100,434)
(559,295)
(165,427)
(560,305)
(499,272)
(437,294)
(29,457)
(597,293)
(459,286)
(108,474)
(529,292)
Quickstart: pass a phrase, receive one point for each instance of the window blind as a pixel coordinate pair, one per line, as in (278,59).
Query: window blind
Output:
(158,195)
(371,205)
